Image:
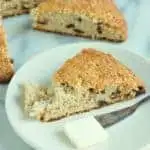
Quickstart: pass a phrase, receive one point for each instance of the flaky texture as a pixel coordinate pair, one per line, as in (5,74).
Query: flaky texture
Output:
(103,15)
(6,67)
(90,80)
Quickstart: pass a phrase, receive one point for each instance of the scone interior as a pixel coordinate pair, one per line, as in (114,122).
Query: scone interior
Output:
(88,81)
(14,7)
(93,18)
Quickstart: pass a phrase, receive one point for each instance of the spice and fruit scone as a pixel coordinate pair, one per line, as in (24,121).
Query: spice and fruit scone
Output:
(14,7)
(97,19)
(88,81)
(6,65)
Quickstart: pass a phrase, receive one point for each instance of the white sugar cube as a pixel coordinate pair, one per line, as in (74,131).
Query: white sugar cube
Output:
(85,132)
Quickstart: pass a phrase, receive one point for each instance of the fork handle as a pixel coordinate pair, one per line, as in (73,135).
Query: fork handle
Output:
(112,118)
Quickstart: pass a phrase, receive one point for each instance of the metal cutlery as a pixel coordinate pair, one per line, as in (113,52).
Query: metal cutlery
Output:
(109,119)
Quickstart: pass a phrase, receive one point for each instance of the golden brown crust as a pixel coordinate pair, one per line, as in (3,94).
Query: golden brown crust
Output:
(97,70)
(6,67)
(98,10)
(2,38)
(42,28)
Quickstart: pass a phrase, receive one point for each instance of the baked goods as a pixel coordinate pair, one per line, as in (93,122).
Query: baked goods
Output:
(88,81)
(6,65)
(14,7)
(97,19)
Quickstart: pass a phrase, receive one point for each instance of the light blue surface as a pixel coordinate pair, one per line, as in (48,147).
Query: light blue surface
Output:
(24,42)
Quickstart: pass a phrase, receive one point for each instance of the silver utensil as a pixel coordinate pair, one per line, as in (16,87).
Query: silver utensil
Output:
(112,118)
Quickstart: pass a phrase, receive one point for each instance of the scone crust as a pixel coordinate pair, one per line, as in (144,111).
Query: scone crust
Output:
(2,38)
(102,10)
(6,67)
(96,70)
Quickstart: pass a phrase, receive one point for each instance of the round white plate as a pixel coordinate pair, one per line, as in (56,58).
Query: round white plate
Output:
(130,134)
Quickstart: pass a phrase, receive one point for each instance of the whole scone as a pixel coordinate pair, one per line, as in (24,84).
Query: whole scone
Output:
(96,19)
(90,80)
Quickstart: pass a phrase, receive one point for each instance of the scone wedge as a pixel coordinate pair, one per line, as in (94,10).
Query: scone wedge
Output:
(89,80)
(15,7)
(6,64)
(96,19)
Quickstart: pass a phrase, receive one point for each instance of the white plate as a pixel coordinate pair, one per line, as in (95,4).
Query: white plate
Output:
(130,134)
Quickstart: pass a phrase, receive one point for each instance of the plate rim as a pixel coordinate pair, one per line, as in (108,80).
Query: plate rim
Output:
(32,58)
